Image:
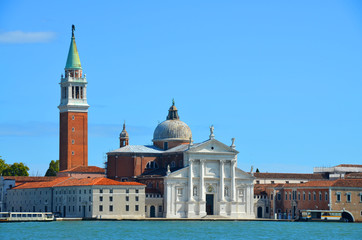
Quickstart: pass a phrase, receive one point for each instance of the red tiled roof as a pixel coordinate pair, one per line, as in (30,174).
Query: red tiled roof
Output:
(349,165)
(289,175)
(69,181)
(41,184)
(23,179)
(348,183)
(85,169)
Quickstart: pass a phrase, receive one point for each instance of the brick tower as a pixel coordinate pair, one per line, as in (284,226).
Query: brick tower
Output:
(73,137)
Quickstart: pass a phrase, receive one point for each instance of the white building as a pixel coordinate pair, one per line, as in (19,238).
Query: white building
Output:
(210,184)
(91,198)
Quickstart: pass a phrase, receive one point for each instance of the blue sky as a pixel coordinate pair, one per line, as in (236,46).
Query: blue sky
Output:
(282,77)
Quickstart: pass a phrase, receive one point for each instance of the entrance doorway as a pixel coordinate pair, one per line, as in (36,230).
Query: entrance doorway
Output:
(210,204)
(64,209)
(260,212)
(152,211)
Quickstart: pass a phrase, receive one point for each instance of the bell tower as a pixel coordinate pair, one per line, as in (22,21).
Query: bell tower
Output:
(73,135)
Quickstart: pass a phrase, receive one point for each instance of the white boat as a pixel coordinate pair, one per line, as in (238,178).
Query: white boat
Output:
(26,216)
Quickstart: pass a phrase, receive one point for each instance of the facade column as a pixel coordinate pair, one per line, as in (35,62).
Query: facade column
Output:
(221,189)
(202,190)
(190,180)
(232,168)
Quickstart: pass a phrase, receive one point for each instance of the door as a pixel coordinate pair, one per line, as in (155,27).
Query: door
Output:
(260,212)
(152,211)
(64,209)
(210,204)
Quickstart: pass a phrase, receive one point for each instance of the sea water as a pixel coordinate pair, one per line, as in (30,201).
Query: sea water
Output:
(180,230)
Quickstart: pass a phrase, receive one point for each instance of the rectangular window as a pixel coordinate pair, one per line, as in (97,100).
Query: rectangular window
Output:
(290,196)
(257,182)
(286,196)
(136,199)
(127,198)
(89,208)
(159,209)
(348,196)
(127,208)
(360,197)
(326,196)
(100,190)
(320,196)
(101,199)
(279,196)
(136,208)
(73,92)
(298,196)
(309,196)
(266,209)
(81,92)
(110,208)
(338,197)
(79,209)
(100,208)
(179,191)
(303,196)
(127,190)
(314,196)
(110,190)
(136,190)
(271,196)
(111,199)
(272,182)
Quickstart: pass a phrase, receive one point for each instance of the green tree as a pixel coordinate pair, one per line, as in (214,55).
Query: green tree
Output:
(53,168)
(16,169)
(257,170)
(3,165)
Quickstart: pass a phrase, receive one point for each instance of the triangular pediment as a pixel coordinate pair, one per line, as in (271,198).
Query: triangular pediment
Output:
(181,173)
(212,146)
(243,175)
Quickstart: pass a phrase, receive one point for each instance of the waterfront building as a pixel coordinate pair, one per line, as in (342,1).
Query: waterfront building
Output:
(287,200)
(92,198)
(184,179)
(73,107)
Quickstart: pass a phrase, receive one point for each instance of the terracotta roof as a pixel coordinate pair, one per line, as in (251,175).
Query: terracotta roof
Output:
(69,181)
(85,169)
(348,183)
(289,175)
(349,165)
(353,175)
(41,184)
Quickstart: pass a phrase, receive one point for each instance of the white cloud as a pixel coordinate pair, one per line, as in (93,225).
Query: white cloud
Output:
(26,37)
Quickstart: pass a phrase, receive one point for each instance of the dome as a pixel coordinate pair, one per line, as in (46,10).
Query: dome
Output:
(172,130)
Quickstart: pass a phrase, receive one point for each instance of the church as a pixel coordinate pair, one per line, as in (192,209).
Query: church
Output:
(184,179)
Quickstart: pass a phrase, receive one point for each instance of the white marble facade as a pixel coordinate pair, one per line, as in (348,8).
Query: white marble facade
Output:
(210,184)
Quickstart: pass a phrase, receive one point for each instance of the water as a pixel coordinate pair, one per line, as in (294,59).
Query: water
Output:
(179,230)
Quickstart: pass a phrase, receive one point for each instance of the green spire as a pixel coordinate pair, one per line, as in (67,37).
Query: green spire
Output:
(73,61)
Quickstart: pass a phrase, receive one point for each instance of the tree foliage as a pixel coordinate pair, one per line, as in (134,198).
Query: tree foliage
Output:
(53,168)
(257,170)
(3,165)
(16,169)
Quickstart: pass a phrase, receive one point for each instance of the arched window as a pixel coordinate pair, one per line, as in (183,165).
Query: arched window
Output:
(152,165)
